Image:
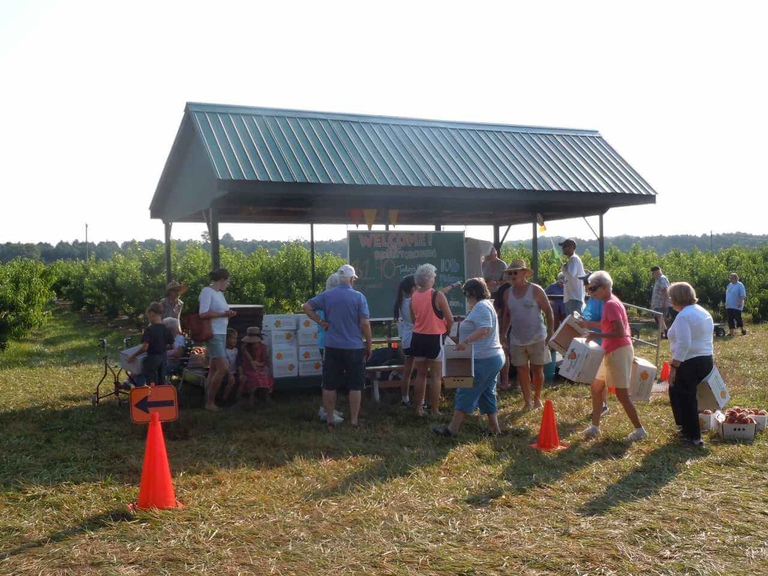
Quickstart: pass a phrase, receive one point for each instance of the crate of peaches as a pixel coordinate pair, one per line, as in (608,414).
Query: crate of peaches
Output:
(743,423)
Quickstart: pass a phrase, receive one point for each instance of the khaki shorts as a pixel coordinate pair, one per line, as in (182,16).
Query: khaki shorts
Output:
(616,368)
(537,354)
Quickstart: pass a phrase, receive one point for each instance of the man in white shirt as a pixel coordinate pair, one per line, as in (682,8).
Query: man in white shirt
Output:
(573,291)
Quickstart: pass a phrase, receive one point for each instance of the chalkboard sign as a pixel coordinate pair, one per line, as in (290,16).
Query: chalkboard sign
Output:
(383,259)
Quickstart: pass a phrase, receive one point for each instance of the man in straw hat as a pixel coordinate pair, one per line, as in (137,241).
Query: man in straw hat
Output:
(525,331)
(171,303)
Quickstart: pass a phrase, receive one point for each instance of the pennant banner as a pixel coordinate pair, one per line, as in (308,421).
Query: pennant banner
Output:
(356,215)
(393,217)
(370,216)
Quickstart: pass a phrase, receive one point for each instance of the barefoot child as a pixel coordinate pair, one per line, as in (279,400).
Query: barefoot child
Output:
(232,362)
(155,341)
(254,366)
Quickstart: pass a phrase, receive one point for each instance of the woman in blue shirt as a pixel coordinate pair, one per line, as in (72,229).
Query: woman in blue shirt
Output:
(480,330)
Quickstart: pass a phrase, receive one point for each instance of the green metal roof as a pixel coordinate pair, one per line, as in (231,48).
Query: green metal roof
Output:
(270,145)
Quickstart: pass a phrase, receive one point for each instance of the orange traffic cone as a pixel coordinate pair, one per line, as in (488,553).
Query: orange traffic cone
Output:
(156,489)
(664,372)
(548,437)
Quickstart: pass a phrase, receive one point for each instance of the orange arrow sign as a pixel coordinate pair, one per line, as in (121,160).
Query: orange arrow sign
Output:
(147,400)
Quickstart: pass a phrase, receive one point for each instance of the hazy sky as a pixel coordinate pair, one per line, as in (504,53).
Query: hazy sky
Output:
(92,94)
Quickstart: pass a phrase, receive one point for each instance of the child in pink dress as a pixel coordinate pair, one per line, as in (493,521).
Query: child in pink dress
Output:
(254,369)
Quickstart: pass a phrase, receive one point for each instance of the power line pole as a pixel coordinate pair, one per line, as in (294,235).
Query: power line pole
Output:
(86,242)
(711,243)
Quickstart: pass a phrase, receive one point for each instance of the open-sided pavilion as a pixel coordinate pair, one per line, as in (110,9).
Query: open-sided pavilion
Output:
(236,164)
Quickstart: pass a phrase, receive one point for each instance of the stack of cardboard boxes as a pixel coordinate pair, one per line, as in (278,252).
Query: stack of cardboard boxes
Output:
(292,343)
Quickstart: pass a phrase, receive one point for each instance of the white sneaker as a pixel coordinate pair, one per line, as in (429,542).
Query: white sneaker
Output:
(591,431)
(638,434)
(337,417)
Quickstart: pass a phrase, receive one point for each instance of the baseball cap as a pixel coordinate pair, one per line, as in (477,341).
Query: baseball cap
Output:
(567,242)
(655,268)
(347,271)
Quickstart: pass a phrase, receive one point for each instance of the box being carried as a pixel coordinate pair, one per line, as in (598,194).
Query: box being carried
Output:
(283,339)
(711,392)
(581,361)
(458,366)
(280,322)
(566,332)
(311,368)
(136,366)
(641,383)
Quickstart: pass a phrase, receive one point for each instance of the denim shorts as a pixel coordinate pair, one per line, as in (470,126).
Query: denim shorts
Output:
(483,392)
(216,347)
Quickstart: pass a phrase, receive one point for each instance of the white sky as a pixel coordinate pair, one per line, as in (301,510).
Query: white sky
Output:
(91,96)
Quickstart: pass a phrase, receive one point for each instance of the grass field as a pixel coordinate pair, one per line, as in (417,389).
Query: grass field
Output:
(271,492)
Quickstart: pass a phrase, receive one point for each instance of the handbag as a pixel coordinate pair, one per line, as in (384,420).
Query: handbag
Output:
(200,330)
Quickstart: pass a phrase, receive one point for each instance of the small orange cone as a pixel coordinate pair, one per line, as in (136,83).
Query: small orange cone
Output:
(156,489)
(548,438)
(665,372)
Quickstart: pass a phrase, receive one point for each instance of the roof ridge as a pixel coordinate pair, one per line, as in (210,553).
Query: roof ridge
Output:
(377,119)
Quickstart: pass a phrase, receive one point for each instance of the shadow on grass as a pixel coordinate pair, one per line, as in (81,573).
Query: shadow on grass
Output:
(656,470)
(90,524)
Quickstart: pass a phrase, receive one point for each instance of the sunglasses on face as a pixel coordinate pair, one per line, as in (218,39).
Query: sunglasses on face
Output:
(594,288)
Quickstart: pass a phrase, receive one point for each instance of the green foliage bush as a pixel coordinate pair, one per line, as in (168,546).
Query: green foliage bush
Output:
(25,290)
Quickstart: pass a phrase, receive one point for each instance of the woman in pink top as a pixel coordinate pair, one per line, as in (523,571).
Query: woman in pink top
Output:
(432,318)
(616,367)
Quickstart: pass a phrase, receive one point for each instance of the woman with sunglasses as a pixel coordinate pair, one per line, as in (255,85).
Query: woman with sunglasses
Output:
(523,328)
(616,367)
(479,330)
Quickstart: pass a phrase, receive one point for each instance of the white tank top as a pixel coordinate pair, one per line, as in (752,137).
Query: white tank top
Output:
(526,323)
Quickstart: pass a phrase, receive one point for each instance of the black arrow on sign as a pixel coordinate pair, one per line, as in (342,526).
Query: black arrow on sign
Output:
(145,404)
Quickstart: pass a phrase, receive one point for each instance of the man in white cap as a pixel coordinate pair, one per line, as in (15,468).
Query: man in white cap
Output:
(573,290)
(346,324)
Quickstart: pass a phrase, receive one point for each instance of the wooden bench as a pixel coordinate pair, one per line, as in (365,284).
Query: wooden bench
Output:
(373,374)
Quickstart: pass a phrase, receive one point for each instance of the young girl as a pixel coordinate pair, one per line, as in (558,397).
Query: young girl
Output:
(254,366)
(232,362)
(402,315)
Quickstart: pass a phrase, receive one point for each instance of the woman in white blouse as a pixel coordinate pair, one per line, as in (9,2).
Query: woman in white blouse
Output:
(690,343)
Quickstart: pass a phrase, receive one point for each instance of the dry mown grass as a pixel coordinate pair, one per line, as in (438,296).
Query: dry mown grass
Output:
(270,492)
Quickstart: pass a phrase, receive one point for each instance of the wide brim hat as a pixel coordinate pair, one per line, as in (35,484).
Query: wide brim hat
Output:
(173,285)
(253,335)
(517,265)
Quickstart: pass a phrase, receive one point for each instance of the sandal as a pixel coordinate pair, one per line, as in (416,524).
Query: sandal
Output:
(443,431)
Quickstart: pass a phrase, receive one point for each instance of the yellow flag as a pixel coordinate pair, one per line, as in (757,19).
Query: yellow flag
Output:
(370,216)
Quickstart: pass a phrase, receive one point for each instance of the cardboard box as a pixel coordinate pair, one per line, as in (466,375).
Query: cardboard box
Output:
(712,393)
(307,353)
(280,322)
(282,339)
(566,332)
(311,368)
(305,323)
(643,377)
(761,421)
(307,338)
(581,361)
(738,431)
(708,421)
(458,366)
(285,355)
(285,369)
(136,366)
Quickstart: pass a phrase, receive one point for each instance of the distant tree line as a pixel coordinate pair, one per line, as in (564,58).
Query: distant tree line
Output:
(661,245)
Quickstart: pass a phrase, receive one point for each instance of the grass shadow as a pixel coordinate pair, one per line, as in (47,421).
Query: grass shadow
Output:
(90,524)
(656,470)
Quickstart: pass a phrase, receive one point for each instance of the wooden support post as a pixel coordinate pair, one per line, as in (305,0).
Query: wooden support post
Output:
(496,241)
(601,244)
(535,250)
(168,226)
(438,227)
(213,231)
(312,256)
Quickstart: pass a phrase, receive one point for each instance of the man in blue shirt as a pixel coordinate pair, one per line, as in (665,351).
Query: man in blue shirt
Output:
(346,324)
(735,295)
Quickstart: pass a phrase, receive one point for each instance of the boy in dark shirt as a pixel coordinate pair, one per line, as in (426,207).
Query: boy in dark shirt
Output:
(155,341)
